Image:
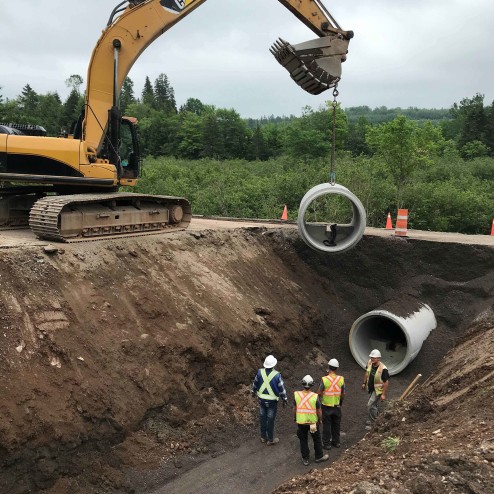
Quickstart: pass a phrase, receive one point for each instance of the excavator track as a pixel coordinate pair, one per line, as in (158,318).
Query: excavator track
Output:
(94,216)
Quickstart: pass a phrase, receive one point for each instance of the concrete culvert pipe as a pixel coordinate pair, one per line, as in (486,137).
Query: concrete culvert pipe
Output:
(397,329)
(331,237)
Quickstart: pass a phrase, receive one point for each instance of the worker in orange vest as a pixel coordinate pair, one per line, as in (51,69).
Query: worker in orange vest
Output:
(332,393)
(307,415)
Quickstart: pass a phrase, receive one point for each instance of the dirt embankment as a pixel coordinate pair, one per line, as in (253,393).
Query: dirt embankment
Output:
(122,359)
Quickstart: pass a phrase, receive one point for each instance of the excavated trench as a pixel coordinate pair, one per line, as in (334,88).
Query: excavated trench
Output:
(126,364)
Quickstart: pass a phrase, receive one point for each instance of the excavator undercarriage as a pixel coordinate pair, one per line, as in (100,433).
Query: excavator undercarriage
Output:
(82,216)
(86,216)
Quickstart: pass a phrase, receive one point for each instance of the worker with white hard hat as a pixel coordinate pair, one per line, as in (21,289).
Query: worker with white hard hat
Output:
(332,393)
(308,416)
(376,382)
(269,387)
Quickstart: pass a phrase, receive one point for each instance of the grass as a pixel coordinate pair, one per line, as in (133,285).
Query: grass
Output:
(389,444)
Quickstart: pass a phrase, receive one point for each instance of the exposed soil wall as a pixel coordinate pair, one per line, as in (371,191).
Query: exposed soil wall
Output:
(114,352)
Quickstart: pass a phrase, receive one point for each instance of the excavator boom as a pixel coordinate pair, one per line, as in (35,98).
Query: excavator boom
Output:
(314,65)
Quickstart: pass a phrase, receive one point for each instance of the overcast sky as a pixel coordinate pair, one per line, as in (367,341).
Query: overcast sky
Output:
(419,53)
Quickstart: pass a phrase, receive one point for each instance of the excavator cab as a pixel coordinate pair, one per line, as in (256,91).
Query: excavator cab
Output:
(130,155)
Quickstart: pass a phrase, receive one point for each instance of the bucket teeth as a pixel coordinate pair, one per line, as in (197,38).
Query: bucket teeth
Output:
(314,65)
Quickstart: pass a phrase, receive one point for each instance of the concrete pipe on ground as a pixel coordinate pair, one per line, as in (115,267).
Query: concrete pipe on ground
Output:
(331,237)
(397,329)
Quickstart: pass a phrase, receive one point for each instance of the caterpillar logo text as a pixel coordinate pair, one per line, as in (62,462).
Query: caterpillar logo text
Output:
(175,5)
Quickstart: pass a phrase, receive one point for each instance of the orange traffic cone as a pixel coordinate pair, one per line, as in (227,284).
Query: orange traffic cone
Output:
(492,229)
(389,225)
(284,216)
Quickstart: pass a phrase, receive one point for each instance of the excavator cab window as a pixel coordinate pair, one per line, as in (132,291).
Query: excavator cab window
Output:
(130,156)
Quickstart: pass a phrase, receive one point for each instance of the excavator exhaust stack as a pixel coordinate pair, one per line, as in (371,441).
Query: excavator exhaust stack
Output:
(314,65)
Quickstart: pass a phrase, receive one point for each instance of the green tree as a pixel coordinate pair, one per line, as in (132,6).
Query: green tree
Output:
(74,82)
(470,120)
(164,95)
(355,141)
(50,112)
(71,110)
(127,97)
(28,102)
(147,95)
(193,105)
(190,142)
(403,146)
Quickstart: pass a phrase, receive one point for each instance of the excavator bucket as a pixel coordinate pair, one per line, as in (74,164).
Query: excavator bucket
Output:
(314,65)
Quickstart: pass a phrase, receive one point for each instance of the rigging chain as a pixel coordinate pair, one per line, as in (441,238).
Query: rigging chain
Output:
(332,173)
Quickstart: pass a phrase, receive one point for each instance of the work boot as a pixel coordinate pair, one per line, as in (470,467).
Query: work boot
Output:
(323,458)
(335,445)
(273,442)
(263,439)
(368,427)
(305,461)
(326,446)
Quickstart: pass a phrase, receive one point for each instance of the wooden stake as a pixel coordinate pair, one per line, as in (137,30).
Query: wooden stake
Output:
(410,386)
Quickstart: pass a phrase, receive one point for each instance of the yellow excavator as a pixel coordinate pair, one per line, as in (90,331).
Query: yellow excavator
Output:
(66,188)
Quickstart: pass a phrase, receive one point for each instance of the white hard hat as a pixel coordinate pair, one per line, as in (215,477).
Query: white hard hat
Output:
(270,362)
(333,363)
(307,381)
(375,354)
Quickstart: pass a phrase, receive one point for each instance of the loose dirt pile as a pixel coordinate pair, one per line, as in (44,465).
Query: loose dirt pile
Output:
(124,364)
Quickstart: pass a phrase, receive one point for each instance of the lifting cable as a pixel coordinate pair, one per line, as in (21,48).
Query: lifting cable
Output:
(332,173)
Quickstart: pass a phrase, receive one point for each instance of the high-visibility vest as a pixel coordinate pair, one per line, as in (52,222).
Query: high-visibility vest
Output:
(306,407)
(266,391)
(378,383)
(332,389)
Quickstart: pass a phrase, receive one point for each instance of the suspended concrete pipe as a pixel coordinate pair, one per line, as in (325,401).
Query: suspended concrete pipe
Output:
(326,237)
(397,329)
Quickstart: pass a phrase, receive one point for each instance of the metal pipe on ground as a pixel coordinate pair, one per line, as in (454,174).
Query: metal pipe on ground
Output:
(397,329)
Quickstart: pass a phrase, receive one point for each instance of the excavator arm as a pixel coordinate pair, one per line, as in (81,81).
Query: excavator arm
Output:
(135,24)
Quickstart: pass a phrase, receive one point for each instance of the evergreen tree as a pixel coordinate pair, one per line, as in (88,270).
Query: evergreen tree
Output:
(164,95)
(258,149)
(127,94)
(471,120)
(212,141)
(50,112)
(71,110)
(28,101)
(355,141)
(489,128)
(147,95)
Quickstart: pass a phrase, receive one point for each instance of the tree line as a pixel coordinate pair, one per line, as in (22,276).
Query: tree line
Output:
(438,163)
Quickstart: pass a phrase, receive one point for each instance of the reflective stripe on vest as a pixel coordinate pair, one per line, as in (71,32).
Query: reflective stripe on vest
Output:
(306,407)
(266,391)
(378,383)
(332,389)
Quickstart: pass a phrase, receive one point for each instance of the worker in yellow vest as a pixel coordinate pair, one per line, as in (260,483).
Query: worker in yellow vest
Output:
(332,393)
(307,415)
(376,382)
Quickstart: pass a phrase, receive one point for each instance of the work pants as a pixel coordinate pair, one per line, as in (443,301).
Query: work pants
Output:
(303,432)
(331,419)
(373,406)
(267,416)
